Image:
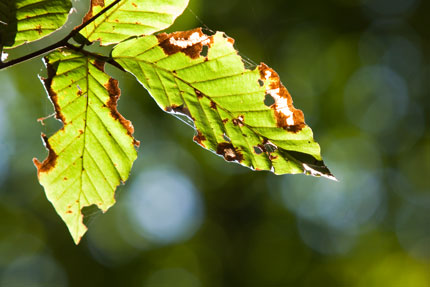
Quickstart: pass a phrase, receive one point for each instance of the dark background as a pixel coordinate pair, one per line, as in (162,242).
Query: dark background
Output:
(360,71)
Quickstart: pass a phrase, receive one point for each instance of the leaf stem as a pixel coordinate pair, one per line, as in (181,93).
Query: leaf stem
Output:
(59,44)
(95,55)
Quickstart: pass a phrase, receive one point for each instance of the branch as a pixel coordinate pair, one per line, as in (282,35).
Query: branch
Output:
(59,44)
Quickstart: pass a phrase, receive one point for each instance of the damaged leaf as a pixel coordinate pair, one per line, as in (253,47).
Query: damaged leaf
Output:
(94,151)
(244,115)
(23,21)
(130,18)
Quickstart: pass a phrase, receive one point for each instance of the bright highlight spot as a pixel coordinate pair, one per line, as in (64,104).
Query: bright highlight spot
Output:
(165,206)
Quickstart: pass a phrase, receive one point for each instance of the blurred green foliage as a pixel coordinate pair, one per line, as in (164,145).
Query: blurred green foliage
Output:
(360,71)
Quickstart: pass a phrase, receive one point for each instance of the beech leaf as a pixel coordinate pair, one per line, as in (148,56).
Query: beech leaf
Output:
(94,151)
(244,115)
(23,21)
(130,18)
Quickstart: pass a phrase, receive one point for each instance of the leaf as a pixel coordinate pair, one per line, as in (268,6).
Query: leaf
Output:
(94,151)
(130,18)
(23,21)
(204,78)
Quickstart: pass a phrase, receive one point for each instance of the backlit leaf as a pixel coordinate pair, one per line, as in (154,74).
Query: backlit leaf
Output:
(24,21)
(245,115)
(94,151)
(130,18)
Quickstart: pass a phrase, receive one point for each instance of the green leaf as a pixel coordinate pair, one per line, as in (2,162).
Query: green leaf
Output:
(244,115)
(94,151)
(130,18)
(24,21)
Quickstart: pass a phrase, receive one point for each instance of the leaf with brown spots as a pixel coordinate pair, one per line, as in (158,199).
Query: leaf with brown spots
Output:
(130,18)
(94,151)
(244,115)
(29,20)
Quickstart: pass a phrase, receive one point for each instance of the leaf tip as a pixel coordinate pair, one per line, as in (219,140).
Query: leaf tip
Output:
(78,237)
(320,171)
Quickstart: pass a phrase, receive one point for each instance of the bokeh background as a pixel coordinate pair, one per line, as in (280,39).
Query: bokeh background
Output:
(359,69)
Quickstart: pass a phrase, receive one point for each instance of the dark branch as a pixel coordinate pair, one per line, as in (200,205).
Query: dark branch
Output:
(59,44)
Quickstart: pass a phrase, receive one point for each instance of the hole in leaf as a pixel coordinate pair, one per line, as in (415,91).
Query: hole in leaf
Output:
(249,65)
(90,213)
(205,51)
(260,82)
(269,100)
(226,138)
(258,150)
(270,147)
(208,31)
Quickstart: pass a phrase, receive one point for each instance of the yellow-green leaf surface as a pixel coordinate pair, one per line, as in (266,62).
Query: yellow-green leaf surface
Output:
(94,151)
(130,18)
(244,115)
(24,21)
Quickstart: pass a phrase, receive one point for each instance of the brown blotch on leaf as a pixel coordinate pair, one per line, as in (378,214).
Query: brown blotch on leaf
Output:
(198,93)
(134,5)
(189,46)
(100,3)
(38,28)
(114,94)
(199,138)
(272,157)
(69,211)
(266,147)
(262,147)
(99,65)
(268,74)
(224,121)
(230,40)
(229,152)
(179,110)
(238,121)
(50,162)
(213,105)
(94,3)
